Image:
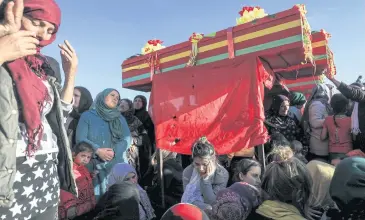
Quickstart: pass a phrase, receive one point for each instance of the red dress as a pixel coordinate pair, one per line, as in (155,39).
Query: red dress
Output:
(70,206)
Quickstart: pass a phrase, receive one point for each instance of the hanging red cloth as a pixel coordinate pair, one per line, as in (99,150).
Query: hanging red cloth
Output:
(222,101)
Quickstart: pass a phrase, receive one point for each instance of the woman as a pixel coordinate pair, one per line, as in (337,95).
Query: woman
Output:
(82,103)
(204,178)
(278,121)
(107,132)
(123,172)
(173,184)
(320,198)
(317,109)
(36,158)
(288,185)
(347,189)
(121,202)
(140,106)
(297,102)
(356,93)
(140,151)
(248,171)
(236,202)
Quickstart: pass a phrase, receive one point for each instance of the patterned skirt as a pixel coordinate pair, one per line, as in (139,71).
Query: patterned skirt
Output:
(36,189)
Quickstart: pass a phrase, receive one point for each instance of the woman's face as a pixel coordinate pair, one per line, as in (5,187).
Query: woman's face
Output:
(138,103)
(112,100)
(284,108)
(201,164)
(43,29)
(131,177)
(77,96)
(124,106)
(252,177)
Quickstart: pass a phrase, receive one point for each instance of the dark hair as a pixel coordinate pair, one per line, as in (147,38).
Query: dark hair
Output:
(244,166)
(288,181)
(202,148)
(276,140)
(339,105)
(83,147)
(121,202)
(2,9)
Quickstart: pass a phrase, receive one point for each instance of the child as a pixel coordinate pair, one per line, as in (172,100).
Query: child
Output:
(297,148)
(338,129)
(70,206)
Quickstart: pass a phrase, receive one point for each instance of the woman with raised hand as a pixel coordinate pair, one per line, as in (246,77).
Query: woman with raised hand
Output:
(36,160)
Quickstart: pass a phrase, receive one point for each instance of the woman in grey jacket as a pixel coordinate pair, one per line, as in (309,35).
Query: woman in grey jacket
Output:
(34,151)
(203,179)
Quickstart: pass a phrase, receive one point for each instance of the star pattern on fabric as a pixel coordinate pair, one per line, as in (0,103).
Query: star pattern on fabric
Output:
(33,203)
(27,190)
(18,177)
(38,173)
(30,161)
(16,209)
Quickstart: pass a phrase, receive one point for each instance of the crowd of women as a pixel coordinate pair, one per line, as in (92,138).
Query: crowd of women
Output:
(64,155)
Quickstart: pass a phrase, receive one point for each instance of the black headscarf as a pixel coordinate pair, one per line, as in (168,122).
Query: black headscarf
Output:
(143,115)
(86,100)
(276,104)
(120,202)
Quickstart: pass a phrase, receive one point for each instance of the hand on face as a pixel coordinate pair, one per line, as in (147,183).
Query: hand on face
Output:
(13,18)
(69,59)
(17,45)
(205,167)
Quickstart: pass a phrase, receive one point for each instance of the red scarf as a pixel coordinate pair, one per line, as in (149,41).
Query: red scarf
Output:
(28,73)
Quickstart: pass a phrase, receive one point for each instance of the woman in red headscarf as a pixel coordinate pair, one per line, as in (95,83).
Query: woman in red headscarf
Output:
(35,157)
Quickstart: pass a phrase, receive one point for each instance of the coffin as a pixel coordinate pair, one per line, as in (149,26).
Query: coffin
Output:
(323,59)
(281,40)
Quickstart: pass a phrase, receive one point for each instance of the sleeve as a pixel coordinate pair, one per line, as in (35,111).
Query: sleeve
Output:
(317,112)
(352,93)
(168,176)
(324,130)
(188,171)
(127,139)
(82,131)
(210,190)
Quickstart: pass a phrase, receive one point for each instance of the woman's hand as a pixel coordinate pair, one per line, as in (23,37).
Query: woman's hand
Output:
(17,45)
(13,18)
(106,154)
(210,170)
(70,61)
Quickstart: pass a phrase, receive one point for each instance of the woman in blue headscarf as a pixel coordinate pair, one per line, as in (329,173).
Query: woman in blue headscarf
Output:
(106,130)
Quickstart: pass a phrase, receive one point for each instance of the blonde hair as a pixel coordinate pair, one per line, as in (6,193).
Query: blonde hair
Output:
(321,174)
(279,154)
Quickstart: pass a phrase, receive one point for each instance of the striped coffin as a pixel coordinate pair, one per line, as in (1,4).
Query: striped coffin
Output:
(304,84)
(322,56)
(281,39)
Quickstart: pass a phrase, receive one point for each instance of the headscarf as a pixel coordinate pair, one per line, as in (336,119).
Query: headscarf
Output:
(276,104)
(86,100)
(120,202)
(355,111)
(112,116)
(321,174)
(129,114)
(235,202)
(28,73)
(144,102)
(184,211)
(118,175)
(273,119)
(348,182)
(297,98)
(319,93)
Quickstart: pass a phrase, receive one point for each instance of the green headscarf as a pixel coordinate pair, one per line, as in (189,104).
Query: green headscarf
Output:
(297,98)
(112,116)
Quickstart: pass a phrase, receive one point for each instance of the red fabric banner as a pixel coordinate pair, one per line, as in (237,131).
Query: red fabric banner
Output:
(222,101)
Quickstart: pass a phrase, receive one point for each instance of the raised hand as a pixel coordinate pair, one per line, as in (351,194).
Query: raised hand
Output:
(69,58)
(13,18)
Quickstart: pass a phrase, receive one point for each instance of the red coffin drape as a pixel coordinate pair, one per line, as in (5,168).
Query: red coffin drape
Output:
(222,101)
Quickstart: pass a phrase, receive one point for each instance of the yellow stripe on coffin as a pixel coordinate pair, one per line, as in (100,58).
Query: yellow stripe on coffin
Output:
(260,33)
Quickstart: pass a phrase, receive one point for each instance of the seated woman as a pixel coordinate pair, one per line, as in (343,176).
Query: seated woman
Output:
(347,189)
(320,198)
(106,130)
(121,202)
(205,177)
(288,184)
(173,184)
(123,172)
(248,171)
